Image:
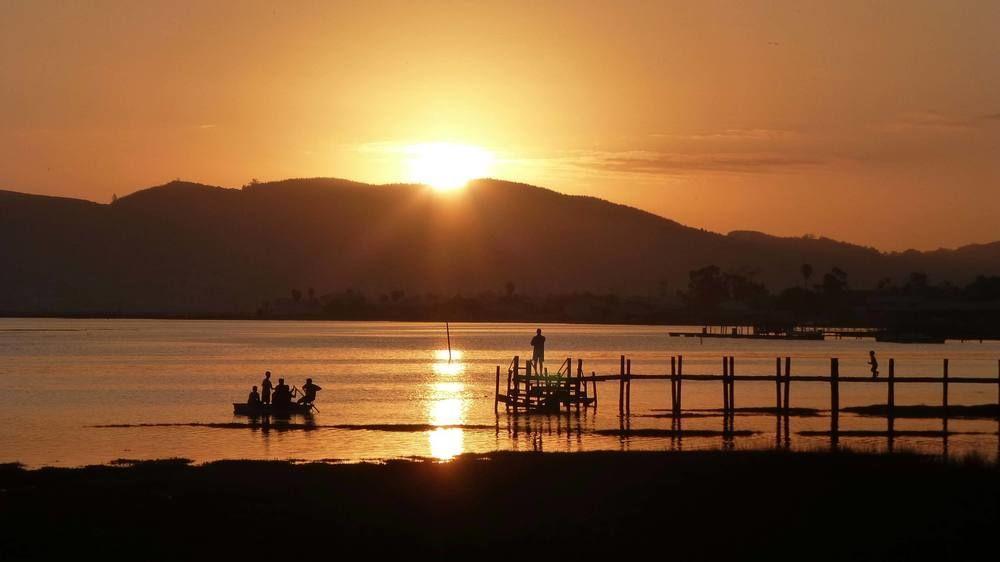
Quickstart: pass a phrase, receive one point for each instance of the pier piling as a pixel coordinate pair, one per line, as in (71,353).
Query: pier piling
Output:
(725,387)
(628,386)
(621,387)
(680,381)
(835,398)
(732,384)
(777,385)
(944,396)
(673,385)
(891,400)
(788,382)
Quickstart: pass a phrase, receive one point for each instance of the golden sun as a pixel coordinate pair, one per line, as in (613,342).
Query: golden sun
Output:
(446,166)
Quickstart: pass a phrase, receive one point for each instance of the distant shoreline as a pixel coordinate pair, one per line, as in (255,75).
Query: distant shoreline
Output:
(315,319)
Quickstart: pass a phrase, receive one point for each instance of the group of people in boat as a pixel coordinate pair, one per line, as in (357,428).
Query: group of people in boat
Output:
(280,395)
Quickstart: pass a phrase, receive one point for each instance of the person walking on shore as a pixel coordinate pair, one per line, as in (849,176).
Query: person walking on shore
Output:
(265,388)
(874,363)
(538,350)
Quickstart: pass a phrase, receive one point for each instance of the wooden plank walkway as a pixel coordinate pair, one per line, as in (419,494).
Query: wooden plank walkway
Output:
(585,388)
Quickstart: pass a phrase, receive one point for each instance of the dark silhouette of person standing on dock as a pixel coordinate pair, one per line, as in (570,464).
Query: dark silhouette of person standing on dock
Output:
(309,392)
(538,350)
(874,363)
(265,387)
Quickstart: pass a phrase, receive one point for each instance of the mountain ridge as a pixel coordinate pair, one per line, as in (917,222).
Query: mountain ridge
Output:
(191,248)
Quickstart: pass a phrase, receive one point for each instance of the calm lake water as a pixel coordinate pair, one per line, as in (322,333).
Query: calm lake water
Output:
(157,380)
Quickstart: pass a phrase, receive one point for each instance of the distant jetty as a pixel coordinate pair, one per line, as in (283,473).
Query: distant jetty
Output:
(808,334)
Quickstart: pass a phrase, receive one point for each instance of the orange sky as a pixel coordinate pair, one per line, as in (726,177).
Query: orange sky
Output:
(872,122)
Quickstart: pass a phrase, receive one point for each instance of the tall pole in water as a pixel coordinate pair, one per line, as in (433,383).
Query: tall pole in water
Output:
(447,330)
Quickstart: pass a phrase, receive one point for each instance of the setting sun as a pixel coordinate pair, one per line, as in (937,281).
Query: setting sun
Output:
(446,166)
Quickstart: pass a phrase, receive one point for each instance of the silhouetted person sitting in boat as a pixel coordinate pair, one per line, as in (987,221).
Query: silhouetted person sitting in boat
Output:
(538,350)
(265,388)
(254,399)
(874,363)
(282,395)
(309,392)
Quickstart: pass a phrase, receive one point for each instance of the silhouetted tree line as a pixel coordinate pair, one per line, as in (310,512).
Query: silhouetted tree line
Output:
(712,295)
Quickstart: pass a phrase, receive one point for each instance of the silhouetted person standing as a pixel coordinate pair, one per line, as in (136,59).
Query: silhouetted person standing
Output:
(309,392)
(538,350)
(874,363)
(254,399)
(265,388)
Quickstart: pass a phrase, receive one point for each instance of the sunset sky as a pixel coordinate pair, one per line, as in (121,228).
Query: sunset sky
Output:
(872,122)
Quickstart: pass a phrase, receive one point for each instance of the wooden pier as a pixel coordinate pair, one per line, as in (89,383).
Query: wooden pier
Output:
(532,392)
(530,388)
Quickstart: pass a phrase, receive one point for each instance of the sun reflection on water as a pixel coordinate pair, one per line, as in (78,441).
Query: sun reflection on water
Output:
(447,406)
(448,366)
(446,443)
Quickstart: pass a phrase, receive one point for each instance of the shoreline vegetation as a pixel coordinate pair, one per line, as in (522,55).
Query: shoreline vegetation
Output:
(712,297)
(695,505)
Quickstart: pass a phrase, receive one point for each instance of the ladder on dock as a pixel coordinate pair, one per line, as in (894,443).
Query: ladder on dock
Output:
(531,389)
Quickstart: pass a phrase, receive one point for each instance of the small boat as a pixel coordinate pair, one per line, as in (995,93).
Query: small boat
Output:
(293,409)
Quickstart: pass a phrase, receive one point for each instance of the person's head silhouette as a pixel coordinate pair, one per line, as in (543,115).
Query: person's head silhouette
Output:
(281,381)
(255,388)
(267,374)
(538,331)
(309,381)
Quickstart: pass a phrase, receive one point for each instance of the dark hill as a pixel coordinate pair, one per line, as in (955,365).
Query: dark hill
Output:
(185,248)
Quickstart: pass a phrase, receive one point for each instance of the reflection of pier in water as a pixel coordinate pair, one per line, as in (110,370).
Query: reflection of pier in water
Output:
(579,390)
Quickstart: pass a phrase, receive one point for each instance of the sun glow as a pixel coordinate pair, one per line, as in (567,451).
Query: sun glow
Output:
(446,166)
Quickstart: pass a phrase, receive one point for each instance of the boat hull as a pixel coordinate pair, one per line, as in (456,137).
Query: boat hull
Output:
(244,409)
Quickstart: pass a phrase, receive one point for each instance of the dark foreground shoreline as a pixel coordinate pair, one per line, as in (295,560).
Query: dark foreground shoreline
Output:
(693,505)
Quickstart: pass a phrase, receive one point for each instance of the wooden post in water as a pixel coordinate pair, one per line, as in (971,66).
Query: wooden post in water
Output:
(777,385)
(447,329)
(508,390)
(580,382)
(835,398)
(944,398)
(732,384)
(496,394)
(593,385)
(569,375)
(517,386)
(680,381)
(788,382)
(673,385)
(891,401)
(628,386)
(621,387)
(725,387)
(527,383)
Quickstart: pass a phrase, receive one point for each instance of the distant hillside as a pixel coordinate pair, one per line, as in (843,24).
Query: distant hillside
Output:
(185,248)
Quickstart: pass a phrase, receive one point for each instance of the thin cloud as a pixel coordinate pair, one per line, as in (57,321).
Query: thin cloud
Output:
(742,135)
(675,163)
